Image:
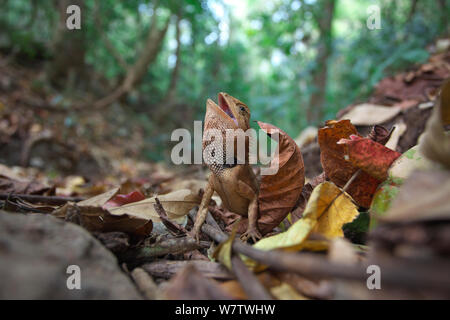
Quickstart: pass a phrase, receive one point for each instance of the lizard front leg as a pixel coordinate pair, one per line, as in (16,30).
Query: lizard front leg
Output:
(203,209)
(252,229)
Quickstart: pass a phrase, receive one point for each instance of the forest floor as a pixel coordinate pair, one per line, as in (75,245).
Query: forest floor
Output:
(73,191)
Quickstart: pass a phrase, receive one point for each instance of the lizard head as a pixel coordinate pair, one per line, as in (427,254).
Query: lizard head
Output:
(231,110)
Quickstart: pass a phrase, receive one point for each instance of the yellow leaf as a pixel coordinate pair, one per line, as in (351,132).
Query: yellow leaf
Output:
(326,212)
(319,216)
(223,250)
(316,245)
(285,292)
(341,211)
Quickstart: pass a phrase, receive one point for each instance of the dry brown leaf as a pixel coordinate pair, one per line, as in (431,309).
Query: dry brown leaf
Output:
(99,200)
(91,215)
(368,114)
(176,204)
(10,182)
(279,193)
(192,184)
(95,218)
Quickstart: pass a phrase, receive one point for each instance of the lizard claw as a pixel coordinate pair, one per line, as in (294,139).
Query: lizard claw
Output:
(195,233)
(252,233)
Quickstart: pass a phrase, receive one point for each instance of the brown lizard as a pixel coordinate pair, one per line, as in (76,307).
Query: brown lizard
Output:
(236,184)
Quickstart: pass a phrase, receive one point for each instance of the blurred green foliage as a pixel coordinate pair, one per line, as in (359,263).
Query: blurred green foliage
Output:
(263,52)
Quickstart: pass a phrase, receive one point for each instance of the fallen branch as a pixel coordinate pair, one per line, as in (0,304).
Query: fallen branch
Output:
(169,246)
(145,284)
(399,272)
(42,199)
(168,268)
(251,285)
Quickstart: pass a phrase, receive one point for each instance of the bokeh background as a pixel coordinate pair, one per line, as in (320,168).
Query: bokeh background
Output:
(138,69)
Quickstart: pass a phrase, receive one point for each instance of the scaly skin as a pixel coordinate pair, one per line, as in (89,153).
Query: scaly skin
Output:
(235,183)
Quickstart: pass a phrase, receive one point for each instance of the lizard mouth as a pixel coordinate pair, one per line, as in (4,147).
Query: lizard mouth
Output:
(223,104)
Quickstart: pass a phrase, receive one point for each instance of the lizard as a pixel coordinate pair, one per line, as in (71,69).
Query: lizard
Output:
(236,184)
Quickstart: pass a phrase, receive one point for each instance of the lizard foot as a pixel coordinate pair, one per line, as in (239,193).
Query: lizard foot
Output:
(195,233)
(252,233)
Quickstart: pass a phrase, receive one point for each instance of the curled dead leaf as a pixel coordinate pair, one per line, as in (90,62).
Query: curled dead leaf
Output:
(279,193)
(91,215)
(99,219)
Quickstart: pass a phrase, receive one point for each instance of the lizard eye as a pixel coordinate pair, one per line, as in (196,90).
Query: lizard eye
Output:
(243,109)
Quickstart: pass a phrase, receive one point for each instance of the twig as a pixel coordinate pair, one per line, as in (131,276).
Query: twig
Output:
(172,246)
(14,206)
(251,285)
(400,272)
(350,181)
(145,283)
(168,268)
(43,199)
(210,220)
(344,189)
(173,227)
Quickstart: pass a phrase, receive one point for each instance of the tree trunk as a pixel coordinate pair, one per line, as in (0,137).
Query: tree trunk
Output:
(100,28)
(412,10)
(137,71)
(317,101)
(444,17)
(171,91)
(69,49)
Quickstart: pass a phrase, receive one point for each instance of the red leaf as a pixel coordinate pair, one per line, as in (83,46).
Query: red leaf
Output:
(335,165)
(121,199)
(370,156)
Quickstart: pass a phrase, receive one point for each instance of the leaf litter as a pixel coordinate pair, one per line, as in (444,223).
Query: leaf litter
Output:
(405,192)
